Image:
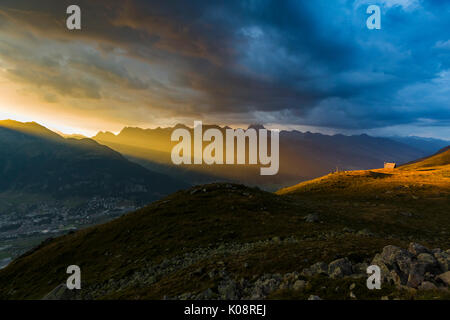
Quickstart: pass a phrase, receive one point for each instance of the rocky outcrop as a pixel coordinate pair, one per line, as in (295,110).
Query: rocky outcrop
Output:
(416,267)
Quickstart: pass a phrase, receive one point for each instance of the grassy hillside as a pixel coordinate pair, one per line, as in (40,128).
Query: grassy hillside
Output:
(441,158)
(215,240)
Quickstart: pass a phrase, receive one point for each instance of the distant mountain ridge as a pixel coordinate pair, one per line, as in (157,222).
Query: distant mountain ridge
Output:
(303,155)
(427,145)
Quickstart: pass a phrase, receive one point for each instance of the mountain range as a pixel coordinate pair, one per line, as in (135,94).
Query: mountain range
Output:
(303,156)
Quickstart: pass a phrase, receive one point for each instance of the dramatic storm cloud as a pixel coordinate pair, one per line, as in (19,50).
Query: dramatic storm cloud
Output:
(285,63)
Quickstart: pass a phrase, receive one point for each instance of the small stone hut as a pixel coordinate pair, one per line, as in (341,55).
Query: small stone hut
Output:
(390,165)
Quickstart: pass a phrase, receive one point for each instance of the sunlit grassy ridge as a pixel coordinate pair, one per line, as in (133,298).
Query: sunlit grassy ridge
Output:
(429,177)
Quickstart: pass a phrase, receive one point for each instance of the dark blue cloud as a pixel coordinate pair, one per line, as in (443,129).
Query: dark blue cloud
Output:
(291,62)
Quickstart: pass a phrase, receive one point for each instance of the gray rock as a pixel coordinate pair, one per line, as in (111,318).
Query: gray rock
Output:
(270,285)
(416,275)
(360,268)
(340,268)
(299,285)
(208,294)
(426,285)
(406,214)
(61,292)
(417,249)
(312,218)
(399,260)
(385,272)
(445,277)
(185,296)
(395,278)
(315,269)
(443,260)
(313,297)
(365,233)
(257,293)
(392,254)
(429,261)
(228,290)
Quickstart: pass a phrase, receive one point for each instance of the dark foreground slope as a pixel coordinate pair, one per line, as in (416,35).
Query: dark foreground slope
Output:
(229,241)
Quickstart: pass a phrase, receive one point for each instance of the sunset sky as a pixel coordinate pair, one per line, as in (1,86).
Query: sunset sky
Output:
(310,65)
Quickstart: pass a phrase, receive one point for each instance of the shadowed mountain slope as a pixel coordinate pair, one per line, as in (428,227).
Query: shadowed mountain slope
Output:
(35,160)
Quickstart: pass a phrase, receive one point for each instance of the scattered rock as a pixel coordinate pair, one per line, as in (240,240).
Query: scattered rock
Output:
(443,260)
(417,249)
(445,277)
(340,268)
(406,214)
(429,261)
(315,269)
(365,233)
(416,275)
(208,294)
(312,218)
(360,268)
(426,285)
(299,285)
(228,290)
(61,292)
